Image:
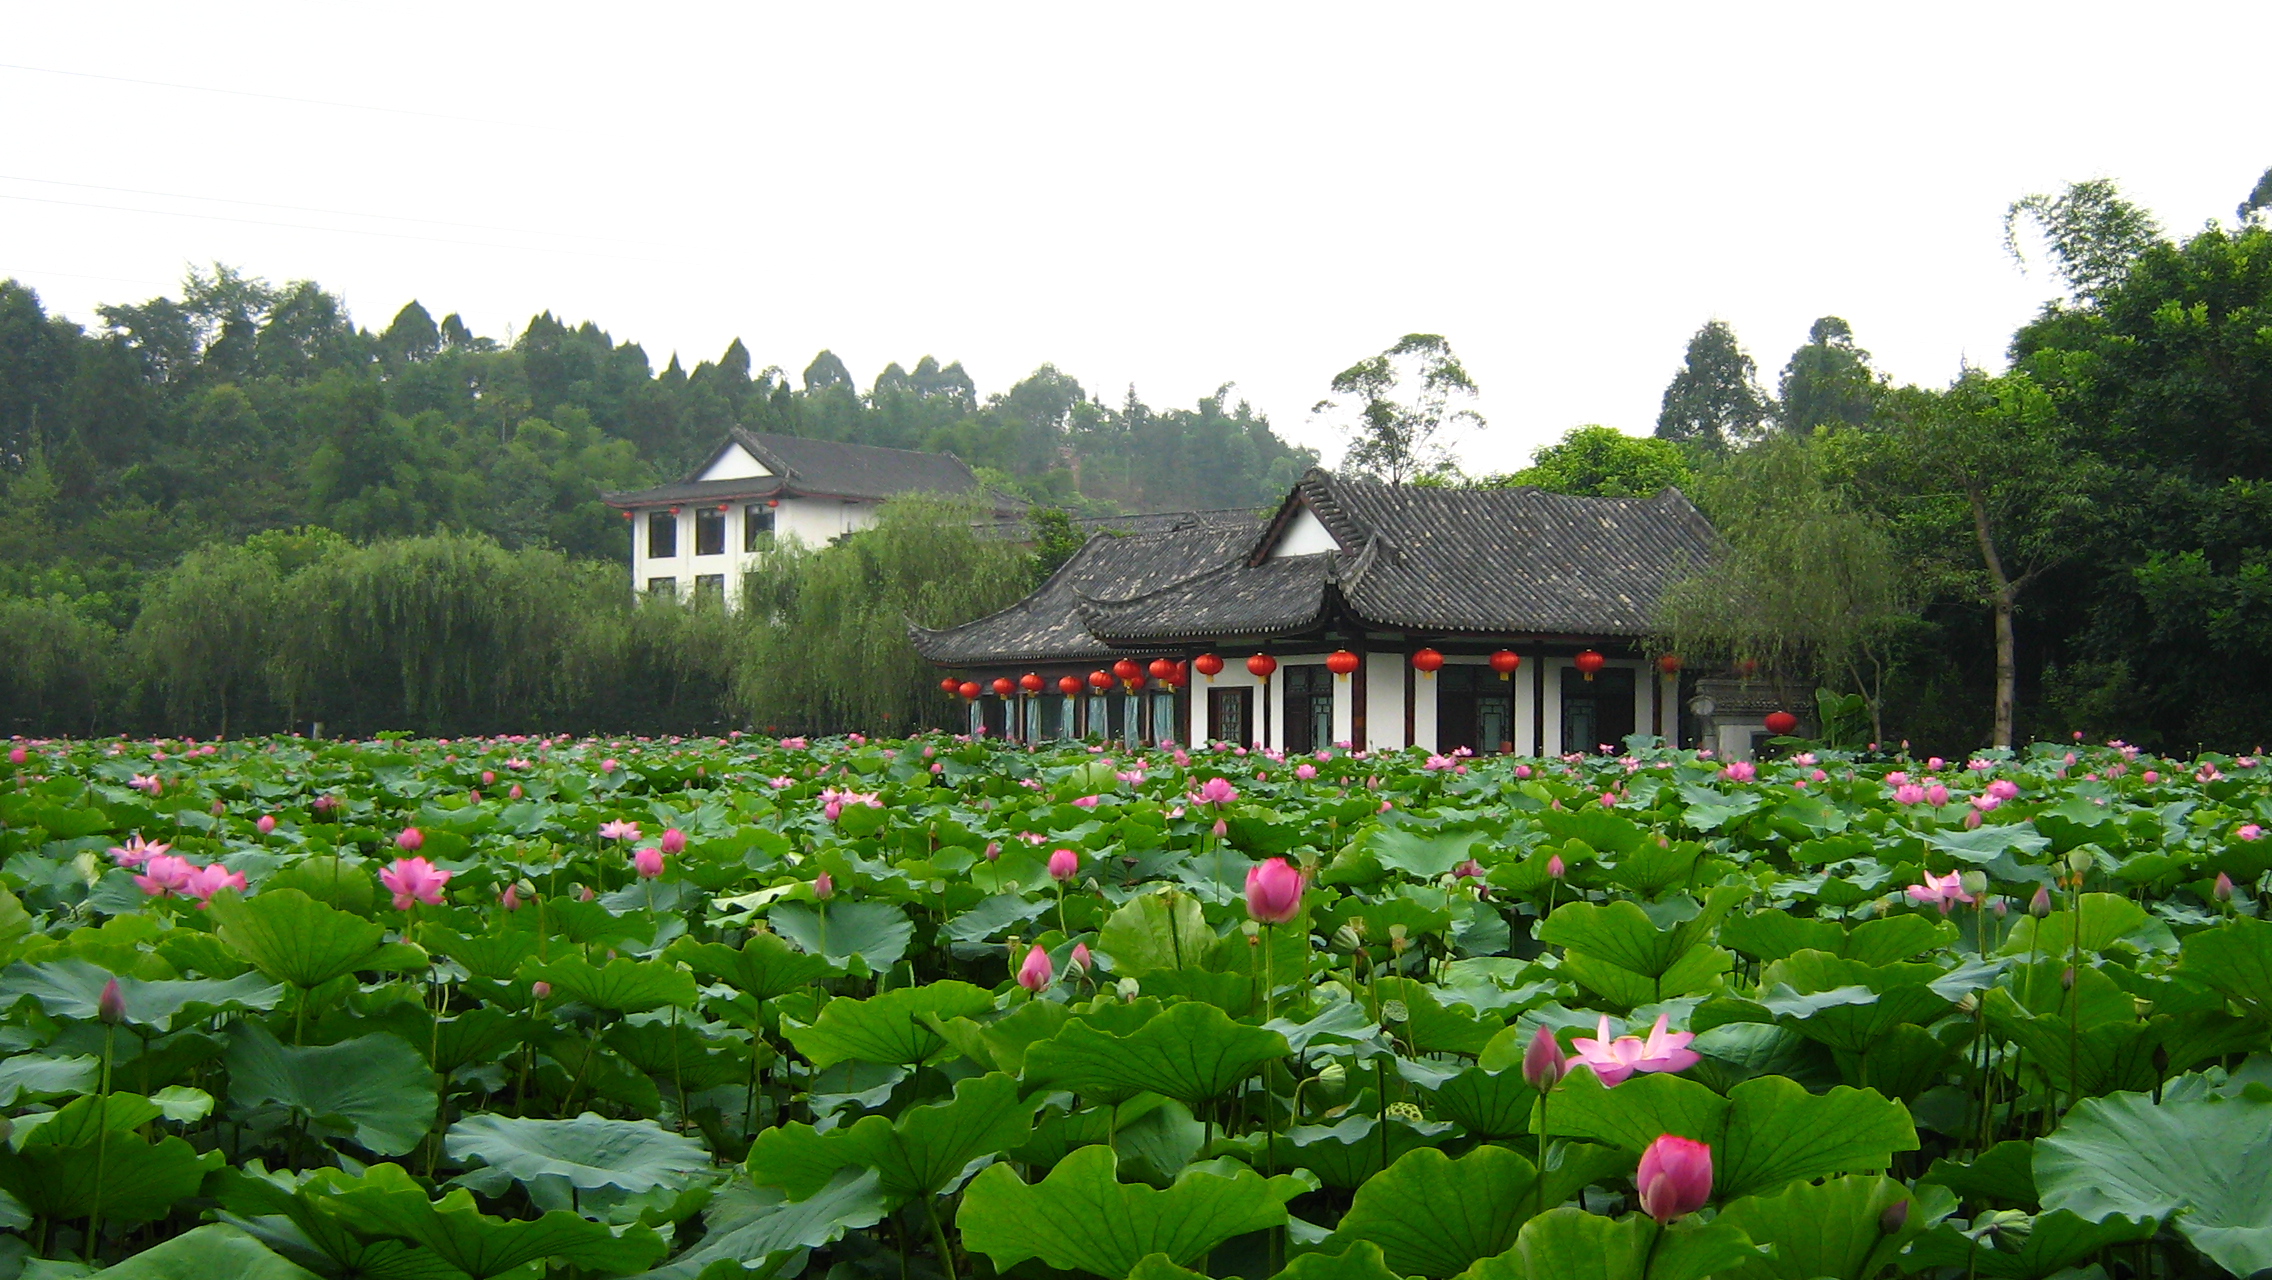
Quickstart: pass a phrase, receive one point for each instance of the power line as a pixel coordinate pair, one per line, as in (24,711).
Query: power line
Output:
(246,93)
(301,208)
(301,226)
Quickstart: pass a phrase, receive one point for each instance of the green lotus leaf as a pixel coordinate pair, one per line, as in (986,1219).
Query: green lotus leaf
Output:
(1766,1132)
(1834,1228)
(2202,1158)
(925,1151)
(280,1210)
(1345,1154)
(375,1087)
(2004,1173)
(894,1028)
(205,1253)
(1001,1045)
(876,932)
(2105,919)
(297,940)
(2019,1248)
(1431,1028)
(1488,1104)
(621,985)
(1571,1244)
(763,968)
(682,1057)
(52,1168)
(74,989)
(1655,866)
(1082,1218)
(1153,931)
(2235,959)
(1435,1216)
(1362,1260)
(496,956)
(40,1075)
(1422,857)
(753,1232)
(588,1151)
(1191,1052)
(385,1201)
(331,881)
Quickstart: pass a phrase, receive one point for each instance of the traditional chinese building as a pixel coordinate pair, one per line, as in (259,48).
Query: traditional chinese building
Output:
(1357,612)
(704,532)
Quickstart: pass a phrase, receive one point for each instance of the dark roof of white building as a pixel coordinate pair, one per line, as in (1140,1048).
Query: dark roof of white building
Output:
(814,468)
(1423,561)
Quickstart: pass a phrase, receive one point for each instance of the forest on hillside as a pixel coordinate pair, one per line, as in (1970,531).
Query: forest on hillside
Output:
(239,407)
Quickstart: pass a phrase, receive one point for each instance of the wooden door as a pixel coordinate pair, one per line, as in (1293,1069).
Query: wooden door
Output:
(1230,715)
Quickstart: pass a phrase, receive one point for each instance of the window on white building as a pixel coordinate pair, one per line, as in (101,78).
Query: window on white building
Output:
(711,585)
(662,535)
(757,527)
(665,588)
(710,531)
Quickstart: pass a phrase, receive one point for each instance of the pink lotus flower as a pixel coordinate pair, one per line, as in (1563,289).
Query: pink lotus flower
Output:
(145,783)
(1940,890)
(410,839)
(135,852)
(824,886)
(1469,870)
(610,765)
(1439,762)
(1215,791)
(414,880)
(17,755)
(793,744)
(2004,789)
(266,824)
(1085,802)
(511,898)
(1064,865)
(2151,775)
(203,882)
(489,777)
(619,829)
(1614,1060)
(1273,891)
(2223,889)
(1896,778)
(1555,867)
(1740,771)
(2249,831)
(1305,772)
(1036,972)
(1542,1060)
(648,863)
(165,873)
(514,791)
(1936,795)
(1081,959)
(1908,793)
(674,842)
(1675,1177)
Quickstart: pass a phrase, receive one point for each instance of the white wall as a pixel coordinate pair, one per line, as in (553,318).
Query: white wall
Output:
(1383,674)
(734,464)
(1304,535)
(812,521)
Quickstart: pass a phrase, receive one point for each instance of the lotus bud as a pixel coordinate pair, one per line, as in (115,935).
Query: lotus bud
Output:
(1081,959)
(674,842)
(1555,867)
(410,839)
(1975,882)
(2002,906)
(1064,865)
(1036,972)
(1675,1177)
(1543,1062)
(111,1008)
(541,990)
(2067,979)
(824,886)
(2039,906)
(1895,1217)
(2223,891)
(266,824)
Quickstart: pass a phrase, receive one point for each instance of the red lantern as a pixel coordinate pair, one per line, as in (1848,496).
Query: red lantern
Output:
(1747,668)
(1209,665)
(1505,661)
(1182,674)
(1162,669)
(1127,669)
(1069,685)
(1031,682)
(1341,662)
(1136,684)
(949,685)
(1782,723)
(1428,660)
(674,511)
(1100,680)
(1669,664)
(1587,662)
(969,689)
(773,502)
(1003,685)
(721,506)
(627,515)
(1261,665)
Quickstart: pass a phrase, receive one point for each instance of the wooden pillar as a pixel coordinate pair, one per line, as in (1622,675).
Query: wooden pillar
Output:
(1410,679)
(1538,706)
(1656,699)
(1357,740)
(1262,710)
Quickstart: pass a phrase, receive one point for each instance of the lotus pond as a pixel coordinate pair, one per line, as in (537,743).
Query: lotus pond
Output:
(939,1009)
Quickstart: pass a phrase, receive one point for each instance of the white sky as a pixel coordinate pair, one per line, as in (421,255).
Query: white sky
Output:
(1171,195)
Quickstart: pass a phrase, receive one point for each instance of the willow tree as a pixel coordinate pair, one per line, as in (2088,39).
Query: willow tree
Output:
(205,635)
(61,668)
(1807,585)
(827,648)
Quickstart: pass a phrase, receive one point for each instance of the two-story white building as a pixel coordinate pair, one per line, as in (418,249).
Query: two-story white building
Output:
(755,491)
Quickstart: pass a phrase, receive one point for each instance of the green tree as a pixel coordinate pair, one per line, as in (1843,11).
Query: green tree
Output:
(1986,484)
(1714,401)
(1828,381)
(2092,232)
(1602,462)
(1398,439)
(1808,585)
(205,632)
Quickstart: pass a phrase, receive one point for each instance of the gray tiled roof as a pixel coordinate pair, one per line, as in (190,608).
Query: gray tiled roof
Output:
(821,468)
(1430,561)
(1046,626)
